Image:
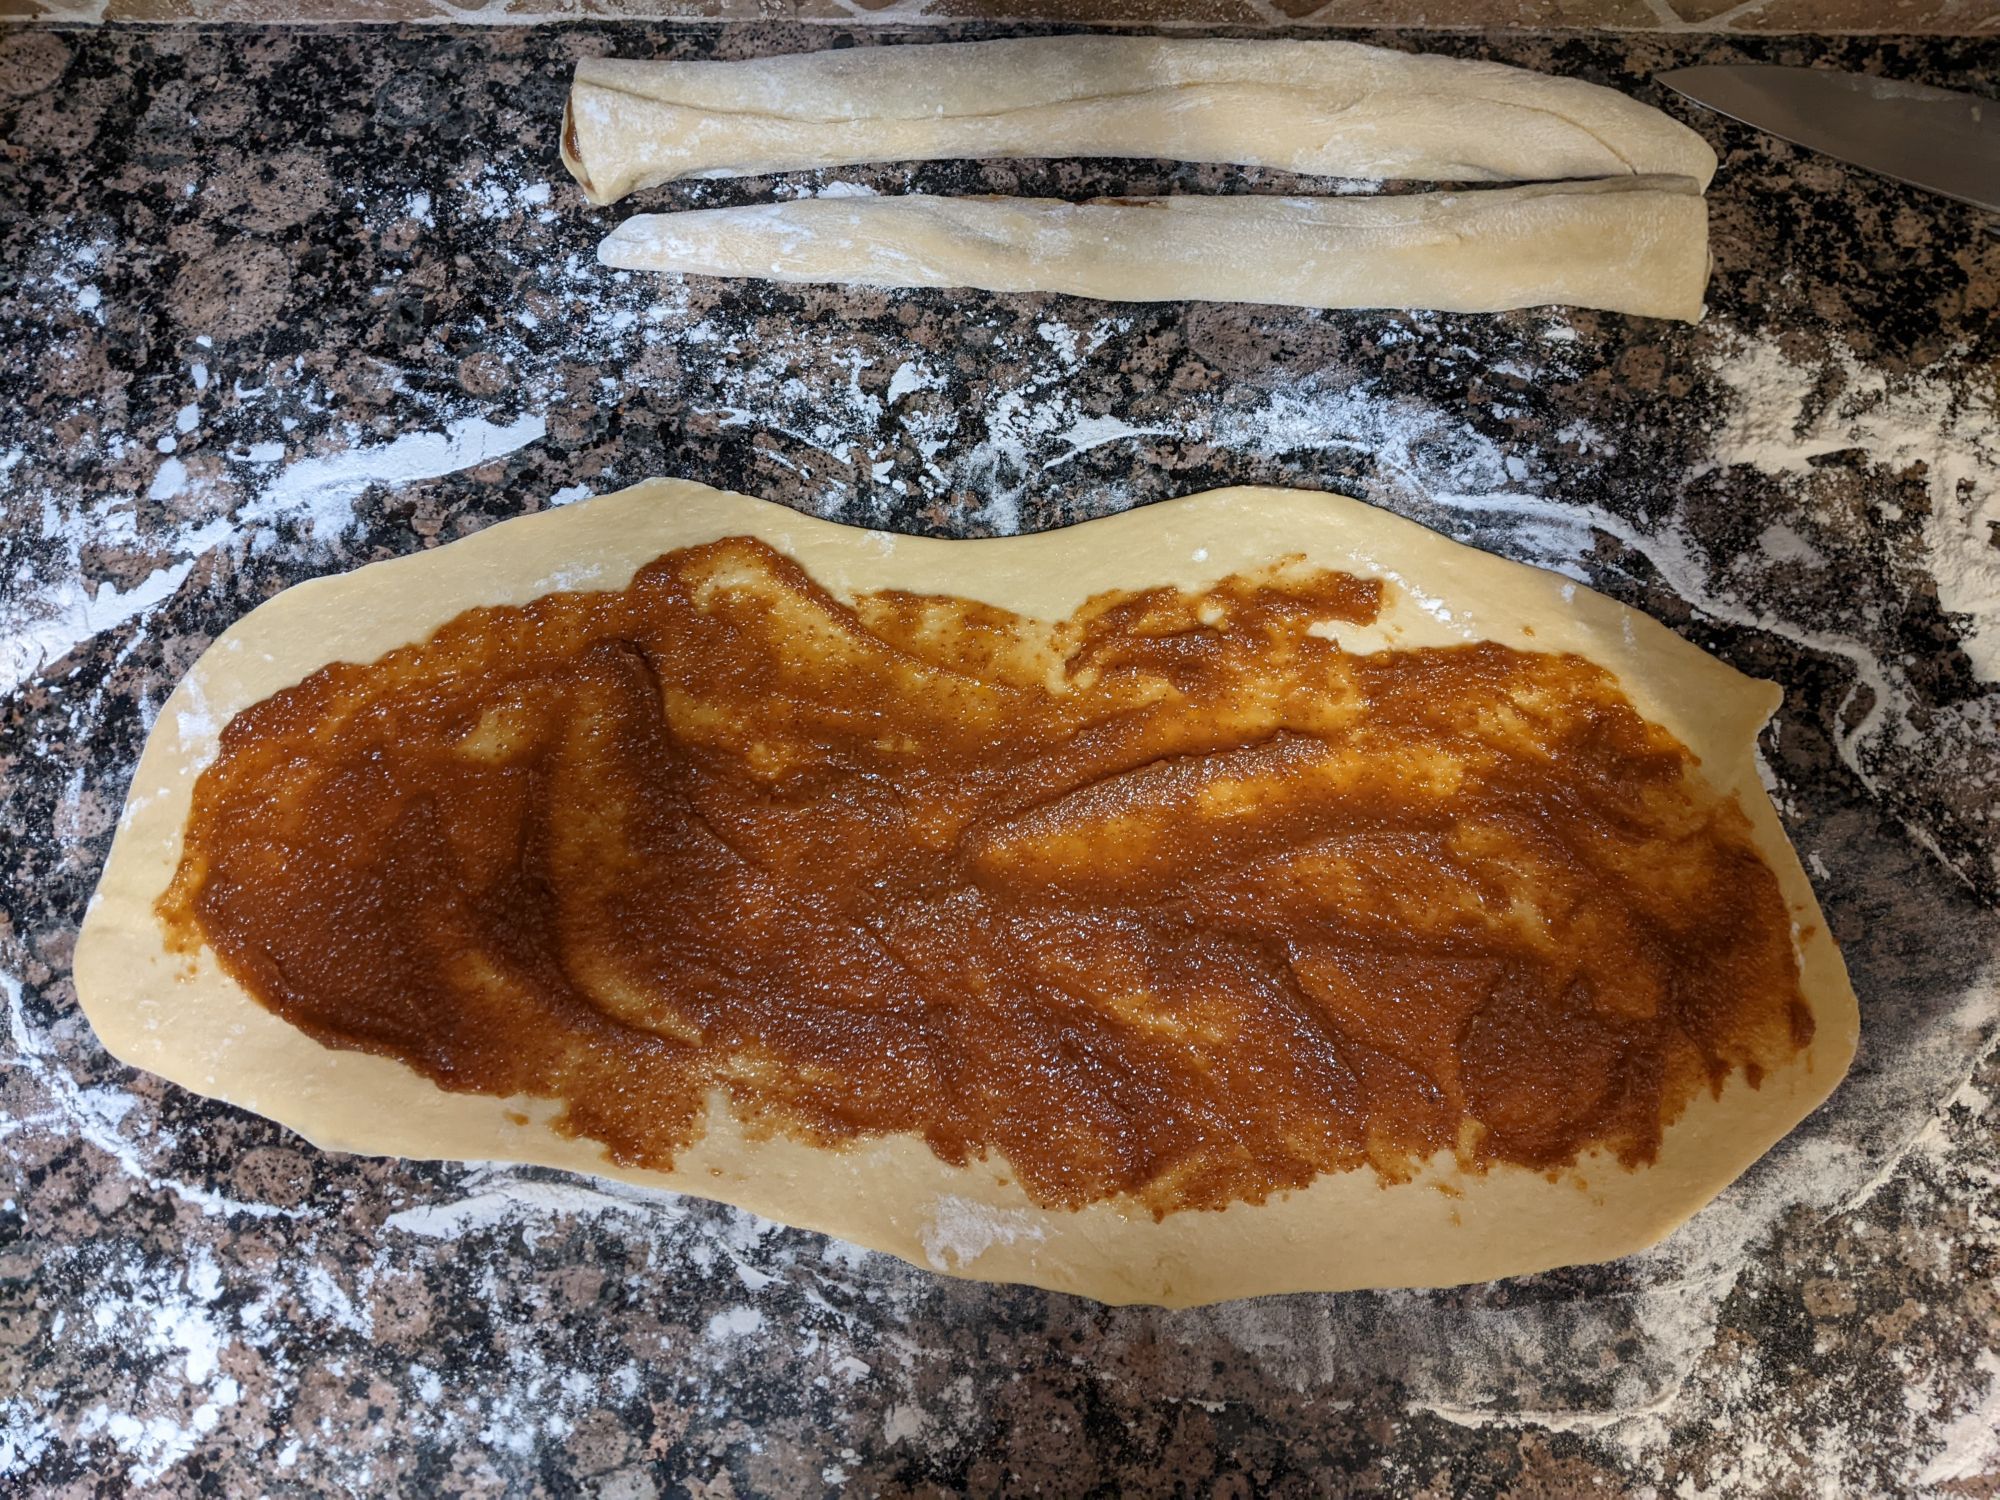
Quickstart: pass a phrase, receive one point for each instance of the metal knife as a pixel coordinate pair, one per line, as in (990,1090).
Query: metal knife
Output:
(1937,139)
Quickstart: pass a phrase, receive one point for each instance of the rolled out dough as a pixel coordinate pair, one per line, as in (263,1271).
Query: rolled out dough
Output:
(1631,245)
(190,1023)
(1334,108)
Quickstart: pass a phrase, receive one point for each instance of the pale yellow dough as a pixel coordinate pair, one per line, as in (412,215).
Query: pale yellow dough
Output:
(198,1028)
(1331,108)
(1633,245)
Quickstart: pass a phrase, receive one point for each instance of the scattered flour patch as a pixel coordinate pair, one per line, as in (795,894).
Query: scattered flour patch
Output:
(904,1423)
(1971,1449)
(1062,338)
(322,491)
(327,1299)
(163,1331)
(154,1445)
(910,377)
(71,614)
(501,1198)
(1780,543)
(1584,437)
(51,606)
(490,198)
(961,1230)
(197,724)
(26,1434)
(734,1323)
(97,1114)
(1094,432)
(169,480)
(1780,422)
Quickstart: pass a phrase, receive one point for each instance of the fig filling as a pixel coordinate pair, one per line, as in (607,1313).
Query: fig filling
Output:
(1176,900)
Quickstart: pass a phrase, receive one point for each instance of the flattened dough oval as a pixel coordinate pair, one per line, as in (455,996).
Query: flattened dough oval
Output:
(1345,1230)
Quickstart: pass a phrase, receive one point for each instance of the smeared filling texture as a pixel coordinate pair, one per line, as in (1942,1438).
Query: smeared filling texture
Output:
(1174,898)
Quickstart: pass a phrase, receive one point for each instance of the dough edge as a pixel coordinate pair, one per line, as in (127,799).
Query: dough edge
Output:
(194,1026)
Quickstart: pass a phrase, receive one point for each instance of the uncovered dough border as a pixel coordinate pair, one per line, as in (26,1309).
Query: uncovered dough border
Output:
(190,1023)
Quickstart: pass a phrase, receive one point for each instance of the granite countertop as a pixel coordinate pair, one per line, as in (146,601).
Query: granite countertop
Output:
(278,302)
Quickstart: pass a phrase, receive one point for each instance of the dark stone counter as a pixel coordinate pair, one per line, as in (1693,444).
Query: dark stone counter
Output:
(276,303)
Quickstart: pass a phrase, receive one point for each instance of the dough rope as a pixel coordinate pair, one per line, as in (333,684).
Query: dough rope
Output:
(1630,245)
(1332,108)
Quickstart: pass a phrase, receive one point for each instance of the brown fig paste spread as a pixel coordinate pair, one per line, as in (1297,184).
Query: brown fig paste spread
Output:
(1175,898)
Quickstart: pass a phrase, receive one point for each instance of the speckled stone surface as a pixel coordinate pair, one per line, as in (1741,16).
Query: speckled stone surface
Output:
(277,303)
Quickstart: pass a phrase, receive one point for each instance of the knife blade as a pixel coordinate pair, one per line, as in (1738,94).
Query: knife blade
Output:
(1937,139)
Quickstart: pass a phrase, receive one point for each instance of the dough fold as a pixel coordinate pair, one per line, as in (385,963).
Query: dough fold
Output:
(1630,245)
(1333,108)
